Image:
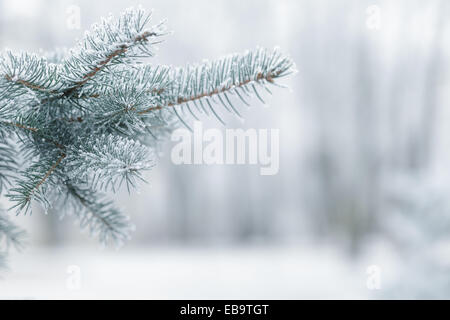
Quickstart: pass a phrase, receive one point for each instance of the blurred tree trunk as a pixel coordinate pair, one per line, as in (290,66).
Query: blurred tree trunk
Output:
(367,184)
(432,79)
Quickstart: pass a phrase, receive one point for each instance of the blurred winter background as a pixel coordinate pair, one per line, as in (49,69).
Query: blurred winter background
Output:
(360,207)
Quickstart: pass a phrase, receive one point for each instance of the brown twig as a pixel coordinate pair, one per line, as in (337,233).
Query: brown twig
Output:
(53,168)
(21,126)
(120,50)
(47,175)
(77,119)
(269,77)
(27,84)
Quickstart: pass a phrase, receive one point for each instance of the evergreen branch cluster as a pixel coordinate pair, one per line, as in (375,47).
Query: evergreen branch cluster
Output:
(86,121)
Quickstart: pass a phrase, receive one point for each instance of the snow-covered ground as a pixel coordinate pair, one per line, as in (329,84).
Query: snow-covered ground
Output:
(170,273)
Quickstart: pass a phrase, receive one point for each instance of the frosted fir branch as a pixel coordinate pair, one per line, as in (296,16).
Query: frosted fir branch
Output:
(145,78)
(96,214)
(199,85)
(109,43)
(92,118)
(16,115)
(233,75)
(36,183)
(108,161)
(24,73)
